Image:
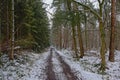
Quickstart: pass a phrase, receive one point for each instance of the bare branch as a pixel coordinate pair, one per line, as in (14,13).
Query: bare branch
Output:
(102,2)
(92,11)
(99,1)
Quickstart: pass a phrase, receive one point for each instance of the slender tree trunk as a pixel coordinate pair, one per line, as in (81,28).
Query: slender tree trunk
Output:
(0,29)
(12,44)
(102,51)
(65,38)
(80,42)
(73,27)
(74,40)
(86,43)
(79,31)
(7,23)
(112,35)
(60,33)
(102,34)
(79,35)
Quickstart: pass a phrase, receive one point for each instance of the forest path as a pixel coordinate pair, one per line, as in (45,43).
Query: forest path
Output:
(58,69)
(49,65)
(49,68)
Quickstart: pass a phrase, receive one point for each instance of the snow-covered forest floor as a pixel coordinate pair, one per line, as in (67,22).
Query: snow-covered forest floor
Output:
(90,65)
(32,66)
(27,66)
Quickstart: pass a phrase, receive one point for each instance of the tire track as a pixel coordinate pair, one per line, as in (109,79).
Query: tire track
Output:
(66,69)
(49,68)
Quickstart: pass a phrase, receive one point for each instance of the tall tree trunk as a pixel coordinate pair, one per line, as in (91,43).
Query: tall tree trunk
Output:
(102,50)
(60,33)
(73,27)
(80,42)
(7,24)
(12,44)
(112,35)
(80,36)
(65,38)
(86,43)
(102,34)
(0,29)
(79,31)
(74,40)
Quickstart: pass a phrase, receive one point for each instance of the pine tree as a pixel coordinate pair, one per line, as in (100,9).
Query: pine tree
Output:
(112,36)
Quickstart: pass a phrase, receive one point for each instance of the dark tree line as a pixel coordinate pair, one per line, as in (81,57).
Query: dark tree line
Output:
(31,25)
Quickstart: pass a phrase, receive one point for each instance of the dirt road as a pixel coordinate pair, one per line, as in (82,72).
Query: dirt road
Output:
(66,70)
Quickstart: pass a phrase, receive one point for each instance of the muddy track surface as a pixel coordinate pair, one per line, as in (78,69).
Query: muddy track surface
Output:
(66,69)
(49,68)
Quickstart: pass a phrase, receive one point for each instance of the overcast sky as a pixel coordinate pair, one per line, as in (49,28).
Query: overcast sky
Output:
(48,1)
(49,7)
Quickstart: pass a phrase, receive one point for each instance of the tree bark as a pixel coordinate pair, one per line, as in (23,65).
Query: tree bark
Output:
(74,40)
(102,34)
(73,27)
(60,33)
(86,43)
(80,42)
(12,43)
(112,35)
(80,36)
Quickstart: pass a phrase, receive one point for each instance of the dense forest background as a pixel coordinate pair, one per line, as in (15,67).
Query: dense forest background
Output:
(87,25)
(30,22)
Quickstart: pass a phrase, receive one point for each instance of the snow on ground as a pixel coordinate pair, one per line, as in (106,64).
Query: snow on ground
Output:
(28,66)
(31,66)
(76,67)
(90,64)
(114,67)
(57,68)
